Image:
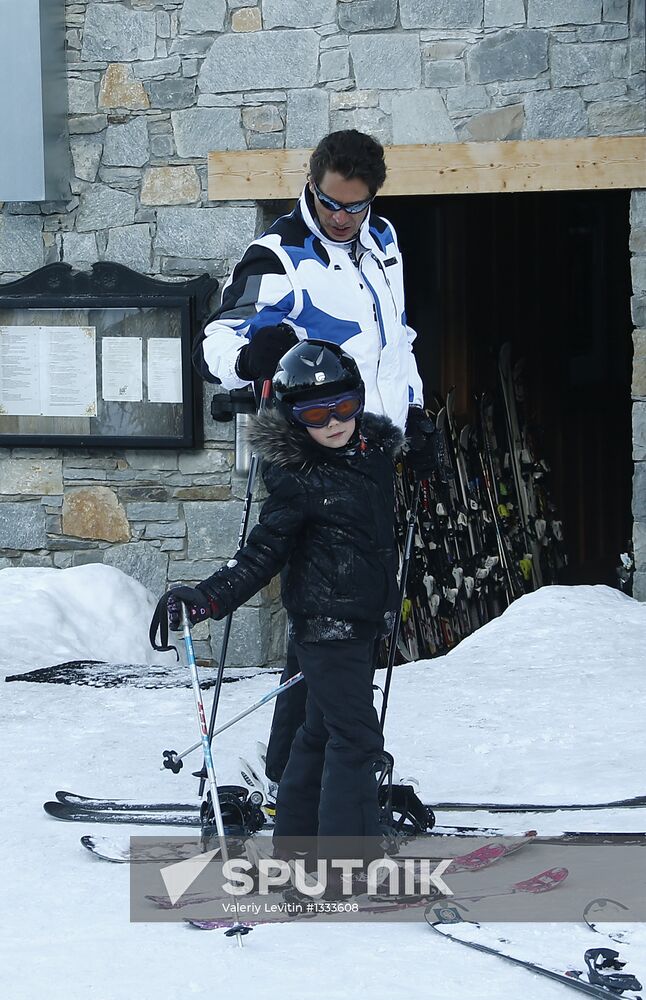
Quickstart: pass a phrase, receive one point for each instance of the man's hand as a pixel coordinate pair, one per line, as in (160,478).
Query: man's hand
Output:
(421,443)
(199,606)
(259,358)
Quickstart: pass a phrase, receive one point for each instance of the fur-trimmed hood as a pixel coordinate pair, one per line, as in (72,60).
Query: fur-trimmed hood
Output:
(276,440)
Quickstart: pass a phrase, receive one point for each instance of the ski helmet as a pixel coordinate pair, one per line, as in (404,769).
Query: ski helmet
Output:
(314,369)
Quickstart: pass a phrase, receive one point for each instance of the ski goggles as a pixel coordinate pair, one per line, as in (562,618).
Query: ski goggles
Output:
(319,412)
(353,207)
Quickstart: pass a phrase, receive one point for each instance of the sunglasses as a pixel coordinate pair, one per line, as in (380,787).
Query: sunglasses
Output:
(353,208)
(319,412)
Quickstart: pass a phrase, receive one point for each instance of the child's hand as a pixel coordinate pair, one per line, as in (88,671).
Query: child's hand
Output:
(199,606)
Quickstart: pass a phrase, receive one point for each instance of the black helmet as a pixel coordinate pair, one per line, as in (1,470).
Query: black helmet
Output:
(314,369)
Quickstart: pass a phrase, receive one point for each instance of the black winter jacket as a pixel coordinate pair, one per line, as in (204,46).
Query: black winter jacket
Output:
(328,524)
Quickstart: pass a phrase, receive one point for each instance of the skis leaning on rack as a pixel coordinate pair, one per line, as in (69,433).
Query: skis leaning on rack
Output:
(487,528)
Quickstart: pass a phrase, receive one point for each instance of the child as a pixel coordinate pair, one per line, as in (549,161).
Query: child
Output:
(328,524)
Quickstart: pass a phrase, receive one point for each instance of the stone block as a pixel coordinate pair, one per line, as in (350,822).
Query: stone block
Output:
(639,494)
(170,186)
(113,32)
(615,10)
(95,512)
(462,100)
(308,118)
(440,13)
(162,147)
(22,526)
(578,65)
(367,15)
(334,64)
(602,33)
(386,61)
(102,207)
(296,14)
(202,493)
(554,114)
(503,13)
(176,92)
(87,124)
(514,54)
(86,156)
(552,13)
(265,140)
(42,477)
(262,119)
(248,639)
(127,145)
(639,364)
(444,73)
(638,310)
(157,68)
(78,249)
(176,530)
(260,60)
(497,125)
(639,431)
(617,117)
(152,511)
(199,130)
(213,529)
(419,117)
(246,19)
(206,461)
(197,16)
(130,245)
(21,242)
(373,121)
(143,562)
(81,97)
(638,273)
(604,91)
(205,232)
(638,208)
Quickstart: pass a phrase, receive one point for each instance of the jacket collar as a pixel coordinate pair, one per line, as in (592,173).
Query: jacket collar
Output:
(281,443)
(306,206)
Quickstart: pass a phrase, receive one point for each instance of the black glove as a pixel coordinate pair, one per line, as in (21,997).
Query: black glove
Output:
(199,606)
(259,358)
(421,443)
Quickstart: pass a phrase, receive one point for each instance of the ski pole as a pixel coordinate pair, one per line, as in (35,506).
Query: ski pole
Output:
(172,759)
(410,532)
(244,524)
(237,929)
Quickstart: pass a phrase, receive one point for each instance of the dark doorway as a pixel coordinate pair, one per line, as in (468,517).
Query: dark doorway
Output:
(548,272)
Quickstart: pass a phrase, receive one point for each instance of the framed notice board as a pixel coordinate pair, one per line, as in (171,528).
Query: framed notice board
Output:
(100,358)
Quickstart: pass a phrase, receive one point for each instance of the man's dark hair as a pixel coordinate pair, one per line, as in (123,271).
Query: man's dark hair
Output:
(351,154)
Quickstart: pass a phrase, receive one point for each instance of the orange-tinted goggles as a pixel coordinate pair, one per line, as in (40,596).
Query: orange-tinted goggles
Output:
(319,412)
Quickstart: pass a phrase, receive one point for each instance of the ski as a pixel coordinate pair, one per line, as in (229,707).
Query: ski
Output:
(80,802)
(542,882)
(124,815)
(117,850)
(599,984)
(121,852)
(603,915)
(123,805)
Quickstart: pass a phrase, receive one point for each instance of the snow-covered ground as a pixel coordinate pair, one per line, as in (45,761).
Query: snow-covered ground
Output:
(544,704)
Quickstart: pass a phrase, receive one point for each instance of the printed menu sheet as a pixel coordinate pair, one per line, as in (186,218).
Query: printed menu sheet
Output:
(48,371)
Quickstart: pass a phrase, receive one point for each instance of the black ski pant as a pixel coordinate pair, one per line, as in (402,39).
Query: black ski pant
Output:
(328,787)
(289,715)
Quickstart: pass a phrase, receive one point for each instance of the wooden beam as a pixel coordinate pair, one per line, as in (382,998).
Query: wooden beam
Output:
(452,168)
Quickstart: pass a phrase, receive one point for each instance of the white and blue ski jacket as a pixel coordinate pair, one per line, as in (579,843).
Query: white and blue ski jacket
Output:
(295,274)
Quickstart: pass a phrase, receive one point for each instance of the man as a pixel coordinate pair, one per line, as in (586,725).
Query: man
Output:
(330,270)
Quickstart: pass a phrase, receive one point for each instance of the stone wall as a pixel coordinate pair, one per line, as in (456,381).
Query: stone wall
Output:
(155,84)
